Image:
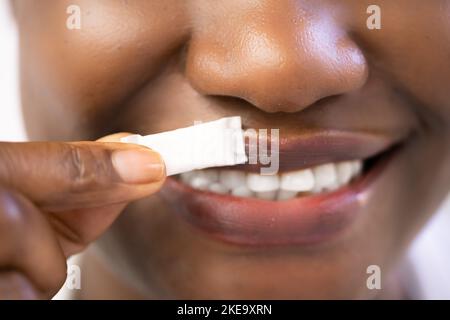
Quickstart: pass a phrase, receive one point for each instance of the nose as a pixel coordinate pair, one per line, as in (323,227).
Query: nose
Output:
(277,55)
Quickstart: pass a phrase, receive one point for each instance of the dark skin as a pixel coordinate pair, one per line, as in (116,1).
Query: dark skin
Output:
(151,66)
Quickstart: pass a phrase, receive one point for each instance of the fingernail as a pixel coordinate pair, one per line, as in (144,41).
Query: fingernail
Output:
(138,165)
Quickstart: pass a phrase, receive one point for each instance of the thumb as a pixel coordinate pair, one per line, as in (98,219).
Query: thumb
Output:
(61,176)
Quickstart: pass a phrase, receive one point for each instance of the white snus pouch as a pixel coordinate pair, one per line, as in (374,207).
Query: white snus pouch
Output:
(212,144)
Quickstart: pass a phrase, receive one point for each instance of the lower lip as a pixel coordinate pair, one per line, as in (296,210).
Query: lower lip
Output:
(253,222)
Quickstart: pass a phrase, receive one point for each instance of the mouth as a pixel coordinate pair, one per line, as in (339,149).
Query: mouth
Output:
(323,184)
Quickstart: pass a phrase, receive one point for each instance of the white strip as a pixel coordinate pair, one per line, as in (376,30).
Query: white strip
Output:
(212,144)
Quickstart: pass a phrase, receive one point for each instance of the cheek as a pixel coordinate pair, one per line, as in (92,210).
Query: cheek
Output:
(83,74)
(411,49)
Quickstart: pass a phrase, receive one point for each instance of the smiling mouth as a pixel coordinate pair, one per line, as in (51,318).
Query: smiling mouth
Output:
(323,185)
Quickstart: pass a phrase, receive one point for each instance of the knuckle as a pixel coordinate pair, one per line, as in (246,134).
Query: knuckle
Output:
(78,162)
(87,167)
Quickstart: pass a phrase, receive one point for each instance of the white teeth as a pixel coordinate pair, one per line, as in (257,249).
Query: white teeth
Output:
(199,183)
(333,187)
(202,179)
(233,178)
(357,167)
(344,172)
(242,191)
(186,177)
(211,175)
(299,181)
(326,177)
(286,195)
(259,183)
(218,188)
(267,195)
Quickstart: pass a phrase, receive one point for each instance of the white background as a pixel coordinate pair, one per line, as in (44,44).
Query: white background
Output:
(11,127)
(430,253)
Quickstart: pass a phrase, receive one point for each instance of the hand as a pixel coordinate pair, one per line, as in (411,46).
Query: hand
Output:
(56,198)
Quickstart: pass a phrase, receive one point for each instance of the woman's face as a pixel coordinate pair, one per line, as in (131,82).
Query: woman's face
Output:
(335,89)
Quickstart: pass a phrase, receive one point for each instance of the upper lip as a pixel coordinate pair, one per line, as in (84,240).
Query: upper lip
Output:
(316,148)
